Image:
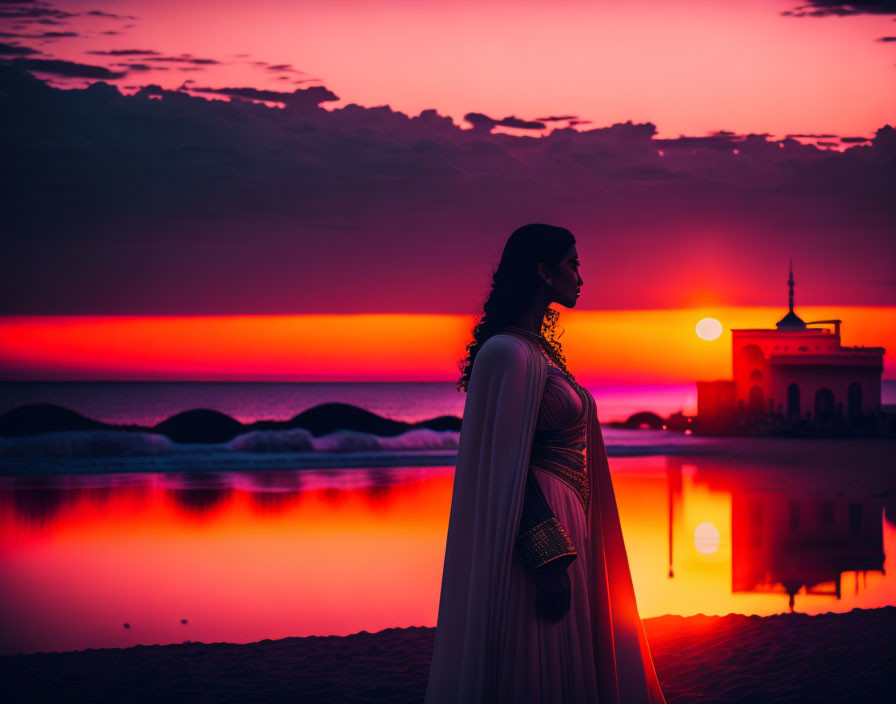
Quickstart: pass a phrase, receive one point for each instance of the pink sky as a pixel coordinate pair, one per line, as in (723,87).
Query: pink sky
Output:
(160,202)
(689,67)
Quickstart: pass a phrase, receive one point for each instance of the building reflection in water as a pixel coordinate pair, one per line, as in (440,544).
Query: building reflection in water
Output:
(786,542)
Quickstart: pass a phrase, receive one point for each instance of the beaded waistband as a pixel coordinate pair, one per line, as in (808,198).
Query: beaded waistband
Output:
(563,453)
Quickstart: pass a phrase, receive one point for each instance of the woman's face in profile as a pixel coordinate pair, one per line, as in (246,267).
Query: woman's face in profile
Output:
(565,280)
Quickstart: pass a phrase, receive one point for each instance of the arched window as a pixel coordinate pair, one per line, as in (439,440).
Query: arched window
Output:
(854,402)
(824,405)
(793,401)
(755,377)
(752,354)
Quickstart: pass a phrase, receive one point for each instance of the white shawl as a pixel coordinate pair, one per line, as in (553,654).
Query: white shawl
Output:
(503,397)
(501,409)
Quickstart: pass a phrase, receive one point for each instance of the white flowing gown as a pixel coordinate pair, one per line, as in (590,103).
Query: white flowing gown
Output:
(490,644)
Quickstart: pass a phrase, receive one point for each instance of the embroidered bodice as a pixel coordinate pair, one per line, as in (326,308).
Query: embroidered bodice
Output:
(559,445)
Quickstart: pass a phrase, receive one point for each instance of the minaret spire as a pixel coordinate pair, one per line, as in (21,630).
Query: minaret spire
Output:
(791,321)
(790,284)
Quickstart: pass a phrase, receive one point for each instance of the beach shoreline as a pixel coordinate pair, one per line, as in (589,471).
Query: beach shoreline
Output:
(829,454)
(792,657)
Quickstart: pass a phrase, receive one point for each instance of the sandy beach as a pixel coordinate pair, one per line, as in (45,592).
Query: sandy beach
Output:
(784,658)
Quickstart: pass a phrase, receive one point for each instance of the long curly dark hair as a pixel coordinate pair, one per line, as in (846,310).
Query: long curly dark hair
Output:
(514,284)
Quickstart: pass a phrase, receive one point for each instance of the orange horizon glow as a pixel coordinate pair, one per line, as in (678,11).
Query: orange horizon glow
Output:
(602,347)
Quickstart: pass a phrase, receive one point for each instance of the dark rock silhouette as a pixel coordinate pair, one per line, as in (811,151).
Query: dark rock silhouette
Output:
(45,418)
(637,420)
(329,417)
(203,425)
(200,425)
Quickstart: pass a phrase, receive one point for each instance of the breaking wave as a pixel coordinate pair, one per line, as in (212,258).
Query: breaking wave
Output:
(120,443)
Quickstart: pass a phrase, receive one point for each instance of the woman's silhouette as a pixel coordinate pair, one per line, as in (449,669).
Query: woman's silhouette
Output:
(537,603)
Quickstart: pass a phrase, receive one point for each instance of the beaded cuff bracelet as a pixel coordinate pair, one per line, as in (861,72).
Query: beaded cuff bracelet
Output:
(543,543)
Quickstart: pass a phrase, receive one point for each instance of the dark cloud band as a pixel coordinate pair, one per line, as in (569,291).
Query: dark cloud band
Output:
(71,69)
(834,8)
(169,202)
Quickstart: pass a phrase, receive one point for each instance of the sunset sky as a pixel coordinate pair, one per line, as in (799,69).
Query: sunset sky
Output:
(688,66)
(628,347)
(181,163)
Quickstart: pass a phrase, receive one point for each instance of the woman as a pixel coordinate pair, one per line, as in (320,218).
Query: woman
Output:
(537,603)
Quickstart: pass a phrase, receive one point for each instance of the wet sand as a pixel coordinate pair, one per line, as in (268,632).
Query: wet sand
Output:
(785,658)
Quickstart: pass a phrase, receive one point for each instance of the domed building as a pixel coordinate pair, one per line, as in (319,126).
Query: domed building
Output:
(795,371)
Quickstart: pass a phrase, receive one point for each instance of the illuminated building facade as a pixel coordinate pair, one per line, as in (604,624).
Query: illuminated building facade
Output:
(794,372)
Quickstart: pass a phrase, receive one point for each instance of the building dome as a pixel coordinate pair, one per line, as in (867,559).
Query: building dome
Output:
(791,321)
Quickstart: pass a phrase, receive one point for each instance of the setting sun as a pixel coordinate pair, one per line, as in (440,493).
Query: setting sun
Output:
(709,329)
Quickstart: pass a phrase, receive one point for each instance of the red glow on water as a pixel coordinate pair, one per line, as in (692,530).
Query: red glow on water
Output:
(239,565)
(244,557)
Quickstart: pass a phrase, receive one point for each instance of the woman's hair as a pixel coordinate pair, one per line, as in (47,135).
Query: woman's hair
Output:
(514,284)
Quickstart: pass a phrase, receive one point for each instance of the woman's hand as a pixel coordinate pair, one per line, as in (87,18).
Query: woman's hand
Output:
(552,595)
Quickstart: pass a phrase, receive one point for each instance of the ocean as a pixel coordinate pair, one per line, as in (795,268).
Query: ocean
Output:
(110,538)
(147,403)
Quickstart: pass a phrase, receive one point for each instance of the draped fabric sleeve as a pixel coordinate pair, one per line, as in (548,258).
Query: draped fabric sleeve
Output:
(542,543)
(506,385)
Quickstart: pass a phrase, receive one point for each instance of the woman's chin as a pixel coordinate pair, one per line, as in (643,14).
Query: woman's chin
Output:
(569,302)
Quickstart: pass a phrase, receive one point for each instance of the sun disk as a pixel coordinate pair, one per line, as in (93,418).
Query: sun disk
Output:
(709,329)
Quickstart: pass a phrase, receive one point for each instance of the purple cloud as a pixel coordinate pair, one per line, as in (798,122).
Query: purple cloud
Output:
(109,15)
(124,52)
(167,202)
(834,8)
(185,59)
(486,123)
(70,69)
(308,96)
(16,50)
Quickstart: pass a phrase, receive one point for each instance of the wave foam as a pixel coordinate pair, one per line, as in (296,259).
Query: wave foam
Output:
(119,443)
(87,443)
